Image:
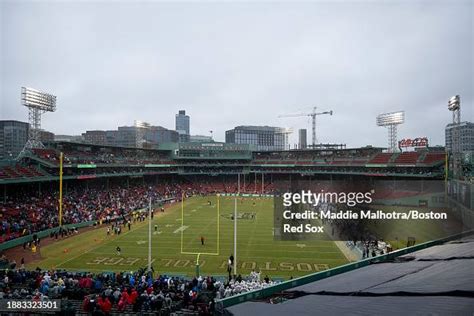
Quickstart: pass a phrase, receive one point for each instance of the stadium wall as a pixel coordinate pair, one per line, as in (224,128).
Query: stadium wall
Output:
(45,233)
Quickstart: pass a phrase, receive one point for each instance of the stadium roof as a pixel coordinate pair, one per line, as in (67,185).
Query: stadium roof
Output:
(437,280)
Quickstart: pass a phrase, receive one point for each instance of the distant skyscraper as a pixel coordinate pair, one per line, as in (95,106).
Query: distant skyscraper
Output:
(96,137)
(182,126)
(263,137)
(13,137)
(302,139)
(466,136)
(132,136)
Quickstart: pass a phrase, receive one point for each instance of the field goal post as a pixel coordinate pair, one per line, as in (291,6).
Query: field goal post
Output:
(198,254)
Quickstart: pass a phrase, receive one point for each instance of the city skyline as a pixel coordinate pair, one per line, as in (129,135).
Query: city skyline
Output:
(231,67)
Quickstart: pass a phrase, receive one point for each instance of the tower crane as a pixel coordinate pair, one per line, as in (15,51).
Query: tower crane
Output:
(313,115)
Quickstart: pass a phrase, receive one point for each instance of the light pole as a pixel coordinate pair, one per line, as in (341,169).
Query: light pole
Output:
(454,105)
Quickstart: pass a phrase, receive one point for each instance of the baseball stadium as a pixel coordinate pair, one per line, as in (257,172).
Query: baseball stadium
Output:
(197,158)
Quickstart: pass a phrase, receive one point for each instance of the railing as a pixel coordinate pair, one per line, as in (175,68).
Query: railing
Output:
(45,233)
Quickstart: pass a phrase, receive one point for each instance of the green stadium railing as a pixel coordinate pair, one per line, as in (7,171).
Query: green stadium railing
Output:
(45,233)
(263,293)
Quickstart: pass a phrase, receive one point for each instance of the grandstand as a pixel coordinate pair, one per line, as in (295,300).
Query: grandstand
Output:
(80,160)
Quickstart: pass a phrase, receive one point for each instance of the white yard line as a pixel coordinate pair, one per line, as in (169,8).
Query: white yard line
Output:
(102,244)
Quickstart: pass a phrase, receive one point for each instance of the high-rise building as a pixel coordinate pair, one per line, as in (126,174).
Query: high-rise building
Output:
(45,136)
(302,139)
(124,136)
(466,136)
(157,135)
(95,137)
(13,137)
(132,136)
(182,126)
(263,137)
(200,139)
(69,138)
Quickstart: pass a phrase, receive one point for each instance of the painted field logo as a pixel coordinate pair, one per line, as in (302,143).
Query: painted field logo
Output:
(281,266)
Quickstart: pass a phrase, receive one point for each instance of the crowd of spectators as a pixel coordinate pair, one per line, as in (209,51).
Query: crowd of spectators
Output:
(25,214)
(111,155)
(136,292)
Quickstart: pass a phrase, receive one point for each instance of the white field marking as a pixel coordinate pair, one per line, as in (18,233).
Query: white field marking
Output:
(157,233)
(182,228)
(167,240)
(169,225)
(99,245)
(193,211)
(272,259)
(300,245)
(178,219)
(141,242)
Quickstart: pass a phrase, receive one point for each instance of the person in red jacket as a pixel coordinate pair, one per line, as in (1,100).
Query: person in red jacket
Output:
(105,305)
(100,300)
(125,298)
(85,304)
(133,297)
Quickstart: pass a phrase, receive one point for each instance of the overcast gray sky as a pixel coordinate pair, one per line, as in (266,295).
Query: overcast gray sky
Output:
(237,63)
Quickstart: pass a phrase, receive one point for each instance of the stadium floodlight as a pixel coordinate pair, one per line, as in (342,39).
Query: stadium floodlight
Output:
(37,102)
(35,99)
(454,105)
(141,124)
(391,121)
(140,128)
(386,119)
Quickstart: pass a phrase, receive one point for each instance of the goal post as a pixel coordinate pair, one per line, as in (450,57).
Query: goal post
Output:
(198,254)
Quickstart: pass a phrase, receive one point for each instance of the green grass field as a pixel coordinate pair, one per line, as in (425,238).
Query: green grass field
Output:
(177,239)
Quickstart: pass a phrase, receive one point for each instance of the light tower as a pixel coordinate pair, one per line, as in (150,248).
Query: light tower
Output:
(454,105)
(37,103)
(140,131)
(391,121)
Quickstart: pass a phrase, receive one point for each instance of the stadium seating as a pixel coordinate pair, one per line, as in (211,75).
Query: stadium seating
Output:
(410,157)
(123,293)
(381,158)
(434,157)
(18,171)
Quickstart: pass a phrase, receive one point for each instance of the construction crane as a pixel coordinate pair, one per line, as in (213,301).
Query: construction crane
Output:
(313,118)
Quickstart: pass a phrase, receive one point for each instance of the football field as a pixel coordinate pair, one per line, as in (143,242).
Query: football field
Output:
(177,241)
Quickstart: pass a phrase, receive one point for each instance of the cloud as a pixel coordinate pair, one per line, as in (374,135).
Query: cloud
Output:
(230,64)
